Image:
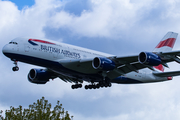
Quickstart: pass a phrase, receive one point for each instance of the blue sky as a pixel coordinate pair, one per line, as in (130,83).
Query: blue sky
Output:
(119,27)
(22,3)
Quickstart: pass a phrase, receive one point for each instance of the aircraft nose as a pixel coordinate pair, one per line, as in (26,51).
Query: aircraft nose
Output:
(5,49)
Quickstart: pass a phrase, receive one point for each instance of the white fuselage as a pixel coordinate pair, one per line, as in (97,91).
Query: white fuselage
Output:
(46,54)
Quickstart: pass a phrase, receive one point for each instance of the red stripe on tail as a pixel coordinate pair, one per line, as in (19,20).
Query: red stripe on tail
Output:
(168,42)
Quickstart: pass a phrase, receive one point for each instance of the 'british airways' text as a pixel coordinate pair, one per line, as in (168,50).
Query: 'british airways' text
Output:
(59,51)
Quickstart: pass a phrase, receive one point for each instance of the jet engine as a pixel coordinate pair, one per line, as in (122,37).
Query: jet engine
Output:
(149,58)
(39,76)
(103,64)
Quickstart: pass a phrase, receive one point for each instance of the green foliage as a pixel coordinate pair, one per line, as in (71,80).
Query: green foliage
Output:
(37,111)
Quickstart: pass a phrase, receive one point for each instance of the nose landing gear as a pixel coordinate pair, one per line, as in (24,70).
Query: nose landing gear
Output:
(16,68)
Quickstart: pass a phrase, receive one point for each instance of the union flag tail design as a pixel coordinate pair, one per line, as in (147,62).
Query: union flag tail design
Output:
(165,45)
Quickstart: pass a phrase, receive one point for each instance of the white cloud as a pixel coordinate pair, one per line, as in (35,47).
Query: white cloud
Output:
(28,22)
(102,21)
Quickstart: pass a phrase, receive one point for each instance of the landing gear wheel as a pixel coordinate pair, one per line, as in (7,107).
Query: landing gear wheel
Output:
(109,85)
(76,86)
(15,68)
(86,87)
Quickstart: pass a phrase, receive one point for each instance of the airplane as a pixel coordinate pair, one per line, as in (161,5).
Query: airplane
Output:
(77,65)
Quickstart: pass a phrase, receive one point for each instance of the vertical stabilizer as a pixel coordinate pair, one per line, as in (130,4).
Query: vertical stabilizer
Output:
(165,45)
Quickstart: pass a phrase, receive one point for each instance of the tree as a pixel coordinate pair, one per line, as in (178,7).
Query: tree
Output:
(37,111)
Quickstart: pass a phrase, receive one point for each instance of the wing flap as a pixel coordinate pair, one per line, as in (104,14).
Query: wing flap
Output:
(66,78)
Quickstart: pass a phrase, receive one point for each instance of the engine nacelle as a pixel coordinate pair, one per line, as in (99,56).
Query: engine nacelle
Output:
(103,64)
(38,76)
(149,58)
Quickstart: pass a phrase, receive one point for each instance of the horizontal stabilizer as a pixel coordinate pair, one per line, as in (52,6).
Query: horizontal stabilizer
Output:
(167,74)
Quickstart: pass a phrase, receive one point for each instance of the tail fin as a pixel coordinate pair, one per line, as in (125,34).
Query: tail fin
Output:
(165,45)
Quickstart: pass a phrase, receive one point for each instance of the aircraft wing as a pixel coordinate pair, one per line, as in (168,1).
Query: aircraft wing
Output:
(79,65)
(170,56)
(131,63)
(124,64)
(65,77)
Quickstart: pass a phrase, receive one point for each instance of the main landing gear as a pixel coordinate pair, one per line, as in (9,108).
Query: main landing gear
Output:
(93,85)
(104,83)
(16,68)
(97,86)
(76,86)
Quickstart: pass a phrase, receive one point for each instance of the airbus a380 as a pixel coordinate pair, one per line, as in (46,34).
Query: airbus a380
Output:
(76,64)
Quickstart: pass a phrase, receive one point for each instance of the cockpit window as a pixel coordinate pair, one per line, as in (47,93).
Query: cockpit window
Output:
(13,43)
